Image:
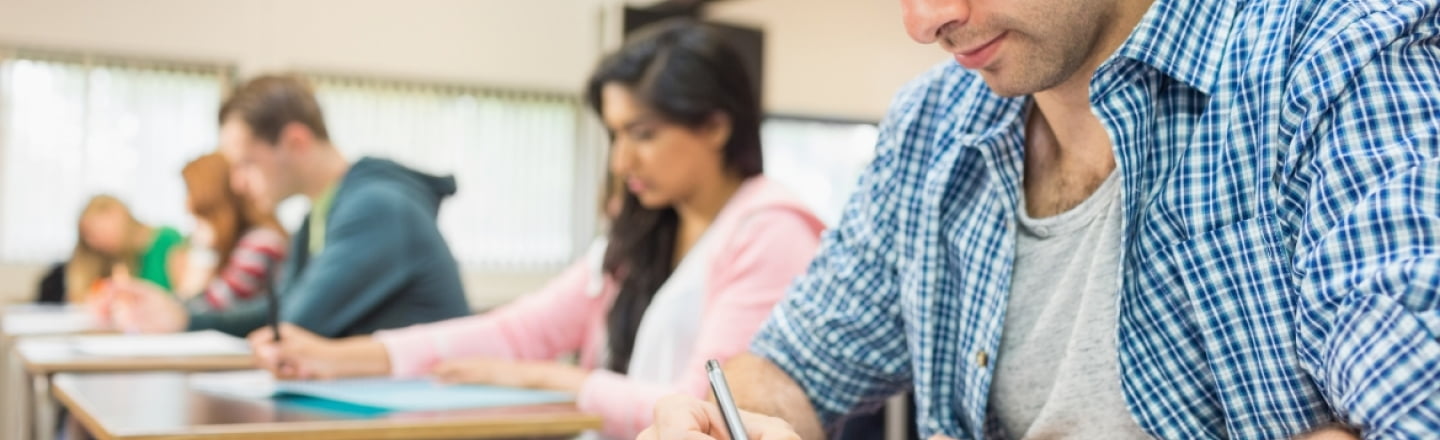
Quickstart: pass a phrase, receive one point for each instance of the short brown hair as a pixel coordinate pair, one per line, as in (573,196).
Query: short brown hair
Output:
(268,103)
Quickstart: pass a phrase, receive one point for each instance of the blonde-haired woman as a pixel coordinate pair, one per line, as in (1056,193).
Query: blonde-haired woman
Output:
(109,239)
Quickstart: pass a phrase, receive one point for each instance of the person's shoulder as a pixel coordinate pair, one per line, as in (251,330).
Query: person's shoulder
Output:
(1327,54)
(1318,15)
(264,237)
(370,195)
(1333,40)
(764,200)
(168,235)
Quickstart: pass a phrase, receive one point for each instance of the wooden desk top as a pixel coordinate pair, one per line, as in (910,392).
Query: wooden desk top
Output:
(163,406)
(46,355)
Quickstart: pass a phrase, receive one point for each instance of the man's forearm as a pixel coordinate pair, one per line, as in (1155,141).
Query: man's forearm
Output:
(239,320)
(762,387)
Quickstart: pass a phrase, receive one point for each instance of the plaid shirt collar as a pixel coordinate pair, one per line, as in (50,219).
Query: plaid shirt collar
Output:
(1184,39)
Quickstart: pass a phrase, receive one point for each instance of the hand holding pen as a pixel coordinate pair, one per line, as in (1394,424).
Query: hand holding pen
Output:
(698,419)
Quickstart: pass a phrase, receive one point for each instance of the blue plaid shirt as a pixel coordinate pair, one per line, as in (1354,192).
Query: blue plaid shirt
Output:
(1281,247)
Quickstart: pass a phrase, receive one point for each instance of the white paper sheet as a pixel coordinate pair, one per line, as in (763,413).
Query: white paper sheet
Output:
(202,343)
(46,320)
(252,384)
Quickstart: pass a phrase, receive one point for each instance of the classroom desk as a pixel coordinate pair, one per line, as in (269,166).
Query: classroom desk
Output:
(15,385)
(163,406)
(42,356)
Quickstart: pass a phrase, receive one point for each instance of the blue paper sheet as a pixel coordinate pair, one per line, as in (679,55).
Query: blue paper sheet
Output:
(418,394)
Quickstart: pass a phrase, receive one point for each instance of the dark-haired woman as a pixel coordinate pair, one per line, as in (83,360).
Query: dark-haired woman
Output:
(701,250)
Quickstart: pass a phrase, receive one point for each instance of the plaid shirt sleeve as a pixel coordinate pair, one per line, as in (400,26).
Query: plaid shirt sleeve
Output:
(838,332)
(1368,255)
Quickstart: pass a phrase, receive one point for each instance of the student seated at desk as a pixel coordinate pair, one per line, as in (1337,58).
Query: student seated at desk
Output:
(109,239)
(369,256)
(244,242)
(702,249)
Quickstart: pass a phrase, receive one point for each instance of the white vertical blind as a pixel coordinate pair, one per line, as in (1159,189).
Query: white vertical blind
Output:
(72,127)
(820,161)
(516,157)
(526,163)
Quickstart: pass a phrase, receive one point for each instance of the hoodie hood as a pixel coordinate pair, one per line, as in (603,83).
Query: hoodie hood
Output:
(760,194)
(428,188)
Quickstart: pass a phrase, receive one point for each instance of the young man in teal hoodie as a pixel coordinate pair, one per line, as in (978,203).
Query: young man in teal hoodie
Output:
(369,255)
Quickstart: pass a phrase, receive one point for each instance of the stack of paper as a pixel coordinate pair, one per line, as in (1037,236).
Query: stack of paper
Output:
(379,393)
(419,394)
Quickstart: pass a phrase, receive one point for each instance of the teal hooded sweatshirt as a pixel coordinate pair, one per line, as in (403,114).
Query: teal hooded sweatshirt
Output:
(384,264)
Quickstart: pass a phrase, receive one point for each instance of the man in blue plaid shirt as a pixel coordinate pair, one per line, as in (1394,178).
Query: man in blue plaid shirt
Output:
(1203,218)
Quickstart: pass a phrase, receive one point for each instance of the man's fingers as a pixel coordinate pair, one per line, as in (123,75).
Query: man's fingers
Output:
(763,427)
(681,417)
(294,332)
(262,335)
(289,372)
(266,356)
(652,434)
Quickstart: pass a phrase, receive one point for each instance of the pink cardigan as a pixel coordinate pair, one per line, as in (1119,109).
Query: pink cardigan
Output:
(765,239)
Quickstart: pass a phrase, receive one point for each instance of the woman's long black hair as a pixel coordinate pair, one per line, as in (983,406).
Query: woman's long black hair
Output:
(686,73)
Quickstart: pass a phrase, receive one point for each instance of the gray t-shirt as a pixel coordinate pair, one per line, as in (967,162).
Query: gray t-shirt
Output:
(1056,375)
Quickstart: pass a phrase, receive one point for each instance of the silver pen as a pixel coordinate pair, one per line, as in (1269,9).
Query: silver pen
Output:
(728,411)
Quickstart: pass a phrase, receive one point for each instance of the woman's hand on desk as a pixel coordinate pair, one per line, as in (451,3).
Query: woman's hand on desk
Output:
(301,354)
(139,306)
(534,375)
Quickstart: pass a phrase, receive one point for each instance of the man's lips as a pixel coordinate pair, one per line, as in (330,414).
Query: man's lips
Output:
(976,57)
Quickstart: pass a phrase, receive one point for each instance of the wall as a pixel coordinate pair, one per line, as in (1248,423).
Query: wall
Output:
(841,58)
(535,43)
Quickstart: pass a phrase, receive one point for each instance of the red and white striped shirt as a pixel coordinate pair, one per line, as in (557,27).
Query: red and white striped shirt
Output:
(256,257)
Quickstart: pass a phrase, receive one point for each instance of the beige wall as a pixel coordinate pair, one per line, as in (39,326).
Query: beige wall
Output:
(547,44)
(18,282)
(842,58)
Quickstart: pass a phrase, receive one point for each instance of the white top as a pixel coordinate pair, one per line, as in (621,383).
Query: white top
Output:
(1057,373)
(672,322)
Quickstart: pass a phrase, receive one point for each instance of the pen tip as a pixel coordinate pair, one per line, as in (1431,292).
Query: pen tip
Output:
(712,365)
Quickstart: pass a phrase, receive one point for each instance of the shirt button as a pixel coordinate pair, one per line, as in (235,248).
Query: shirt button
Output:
(982,359)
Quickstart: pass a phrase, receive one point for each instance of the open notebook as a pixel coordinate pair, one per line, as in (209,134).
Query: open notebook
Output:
(378,393)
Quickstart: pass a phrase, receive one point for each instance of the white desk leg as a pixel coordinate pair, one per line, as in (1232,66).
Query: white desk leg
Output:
(16,417)
(44,407)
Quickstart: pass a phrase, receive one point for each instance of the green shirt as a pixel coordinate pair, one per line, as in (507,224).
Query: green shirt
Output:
(153,262)
(320,212)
